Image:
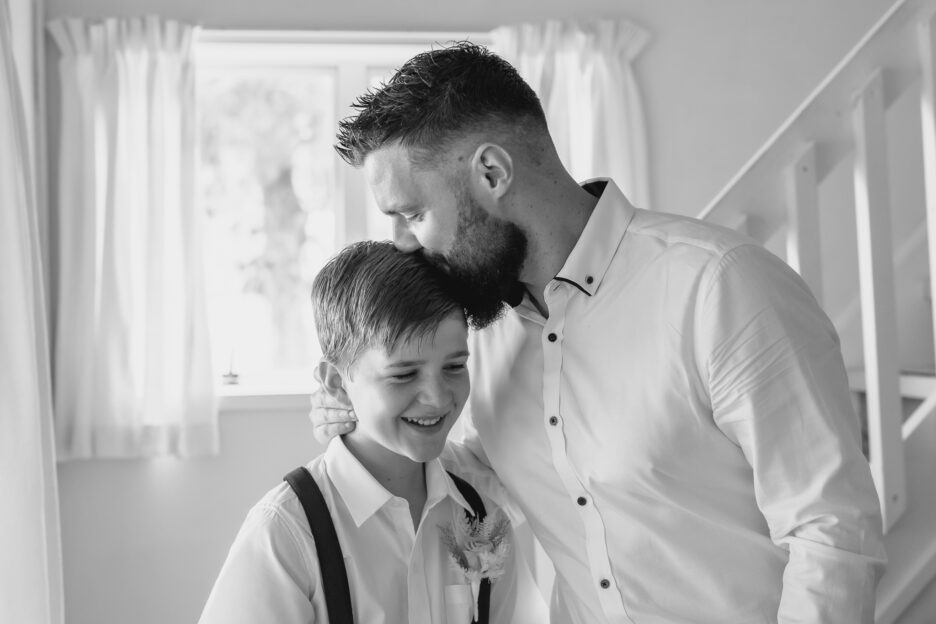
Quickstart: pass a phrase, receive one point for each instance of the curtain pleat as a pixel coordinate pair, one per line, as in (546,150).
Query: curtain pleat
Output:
(132,361)
(584,77)
(30,543)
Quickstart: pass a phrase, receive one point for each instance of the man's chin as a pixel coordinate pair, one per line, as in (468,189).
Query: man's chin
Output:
(482,311)
(438,261)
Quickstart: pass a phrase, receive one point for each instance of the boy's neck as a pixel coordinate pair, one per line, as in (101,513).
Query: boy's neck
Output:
(401,476)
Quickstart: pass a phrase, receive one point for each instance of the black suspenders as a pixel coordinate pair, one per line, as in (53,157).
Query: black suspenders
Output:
(331,560)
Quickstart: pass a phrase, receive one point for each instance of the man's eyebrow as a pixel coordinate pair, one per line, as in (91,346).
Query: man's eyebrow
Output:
(457,354)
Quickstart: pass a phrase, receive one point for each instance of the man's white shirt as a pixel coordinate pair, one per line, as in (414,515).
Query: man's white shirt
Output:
(678,432)
(395,574)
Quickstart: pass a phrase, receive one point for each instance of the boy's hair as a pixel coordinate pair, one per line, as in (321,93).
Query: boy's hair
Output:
(437,96)
(373,295)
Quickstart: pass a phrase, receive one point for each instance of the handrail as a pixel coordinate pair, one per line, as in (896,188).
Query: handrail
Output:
(757,189)
(925,410)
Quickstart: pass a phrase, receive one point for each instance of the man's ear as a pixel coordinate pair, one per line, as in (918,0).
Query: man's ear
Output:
(493,169)
(332,381)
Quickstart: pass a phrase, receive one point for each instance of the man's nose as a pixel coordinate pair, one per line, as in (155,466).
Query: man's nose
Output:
(403,239)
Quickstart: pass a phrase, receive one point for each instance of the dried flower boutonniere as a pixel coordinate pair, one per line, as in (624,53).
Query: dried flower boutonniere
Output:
(478,549)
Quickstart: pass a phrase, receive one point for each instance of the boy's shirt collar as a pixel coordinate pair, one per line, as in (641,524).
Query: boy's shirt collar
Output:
(439,485)
(363,494)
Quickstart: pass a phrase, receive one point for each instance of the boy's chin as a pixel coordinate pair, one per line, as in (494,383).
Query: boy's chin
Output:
(425,454)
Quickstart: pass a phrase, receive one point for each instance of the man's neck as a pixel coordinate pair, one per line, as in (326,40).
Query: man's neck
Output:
(552,234)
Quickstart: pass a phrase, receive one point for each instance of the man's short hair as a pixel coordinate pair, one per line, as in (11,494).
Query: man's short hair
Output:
(371,295)
(435,97)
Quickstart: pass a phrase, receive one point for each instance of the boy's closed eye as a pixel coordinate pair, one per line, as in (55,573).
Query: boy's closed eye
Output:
(408,375)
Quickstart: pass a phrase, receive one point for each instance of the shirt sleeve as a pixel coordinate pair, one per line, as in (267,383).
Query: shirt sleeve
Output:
(266,577)
(779,391)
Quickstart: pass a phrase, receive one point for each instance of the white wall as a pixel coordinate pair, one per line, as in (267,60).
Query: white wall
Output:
(144,539)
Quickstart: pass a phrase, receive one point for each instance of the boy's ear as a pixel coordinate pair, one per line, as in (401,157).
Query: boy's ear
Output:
(332,381)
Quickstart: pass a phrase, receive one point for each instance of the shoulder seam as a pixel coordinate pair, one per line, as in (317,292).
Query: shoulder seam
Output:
(295,535)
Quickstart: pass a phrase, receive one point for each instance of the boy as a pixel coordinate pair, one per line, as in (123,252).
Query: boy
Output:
(394,343)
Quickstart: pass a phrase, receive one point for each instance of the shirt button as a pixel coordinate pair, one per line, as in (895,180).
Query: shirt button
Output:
(605,583)
(553,421)
(552,337)
(589,279)
(582,501)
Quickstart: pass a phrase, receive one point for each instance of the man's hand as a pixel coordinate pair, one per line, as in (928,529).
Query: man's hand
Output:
(330,417)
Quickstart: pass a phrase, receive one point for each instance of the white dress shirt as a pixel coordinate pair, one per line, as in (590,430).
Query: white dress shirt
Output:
(395,574)
(679,432)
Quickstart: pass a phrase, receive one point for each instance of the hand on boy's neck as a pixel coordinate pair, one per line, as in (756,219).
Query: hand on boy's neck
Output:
(329,377)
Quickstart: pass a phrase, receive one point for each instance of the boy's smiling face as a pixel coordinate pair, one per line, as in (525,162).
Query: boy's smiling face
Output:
(406,401)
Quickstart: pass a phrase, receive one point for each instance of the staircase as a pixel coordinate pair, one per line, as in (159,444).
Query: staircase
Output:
(789,197)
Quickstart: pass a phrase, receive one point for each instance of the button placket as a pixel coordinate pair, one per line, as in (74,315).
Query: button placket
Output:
(557,301)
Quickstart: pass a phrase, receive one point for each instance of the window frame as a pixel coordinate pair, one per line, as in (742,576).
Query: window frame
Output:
(354,57)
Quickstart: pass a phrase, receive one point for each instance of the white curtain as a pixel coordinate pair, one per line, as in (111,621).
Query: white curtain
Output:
(132,365)
(30,546)
(583,74)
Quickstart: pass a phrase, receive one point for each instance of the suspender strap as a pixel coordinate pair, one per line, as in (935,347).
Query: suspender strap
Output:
(474,500)
(331,561)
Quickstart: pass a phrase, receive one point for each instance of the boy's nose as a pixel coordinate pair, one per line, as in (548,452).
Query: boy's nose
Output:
(403,239)
(435,392)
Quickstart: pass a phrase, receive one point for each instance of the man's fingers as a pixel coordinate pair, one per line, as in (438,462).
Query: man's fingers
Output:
(337,429)
(329,417)
(323,433)
(323,416)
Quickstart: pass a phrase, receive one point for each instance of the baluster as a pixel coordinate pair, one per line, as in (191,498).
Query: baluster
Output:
(803,235)
(878,308)
(927,49)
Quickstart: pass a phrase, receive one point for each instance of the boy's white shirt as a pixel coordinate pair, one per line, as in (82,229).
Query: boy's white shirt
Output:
(395,574)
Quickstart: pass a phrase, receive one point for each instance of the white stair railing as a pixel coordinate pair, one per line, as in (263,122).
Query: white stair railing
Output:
(803,248)
(777,191)
(927,52)
(878,306)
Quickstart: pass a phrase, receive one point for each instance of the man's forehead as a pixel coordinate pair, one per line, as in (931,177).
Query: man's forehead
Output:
(395,181)
(388,167)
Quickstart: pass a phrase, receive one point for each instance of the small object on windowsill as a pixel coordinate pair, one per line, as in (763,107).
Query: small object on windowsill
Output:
(230,378)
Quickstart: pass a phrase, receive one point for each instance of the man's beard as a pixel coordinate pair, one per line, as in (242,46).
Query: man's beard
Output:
(484,263)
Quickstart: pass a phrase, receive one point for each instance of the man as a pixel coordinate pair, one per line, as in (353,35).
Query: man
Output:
(663,399)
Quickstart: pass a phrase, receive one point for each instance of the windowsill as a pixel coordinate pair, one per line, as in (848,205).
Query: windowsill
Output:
(254,398)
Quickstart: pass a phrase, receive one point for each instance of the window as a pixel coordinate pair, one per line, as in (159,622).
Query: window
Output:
(278,199)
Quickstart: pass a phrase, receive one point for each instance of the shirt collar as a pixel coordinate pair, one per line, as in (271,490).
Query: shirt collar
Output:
(439,485)
(363,494)
(590,258)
